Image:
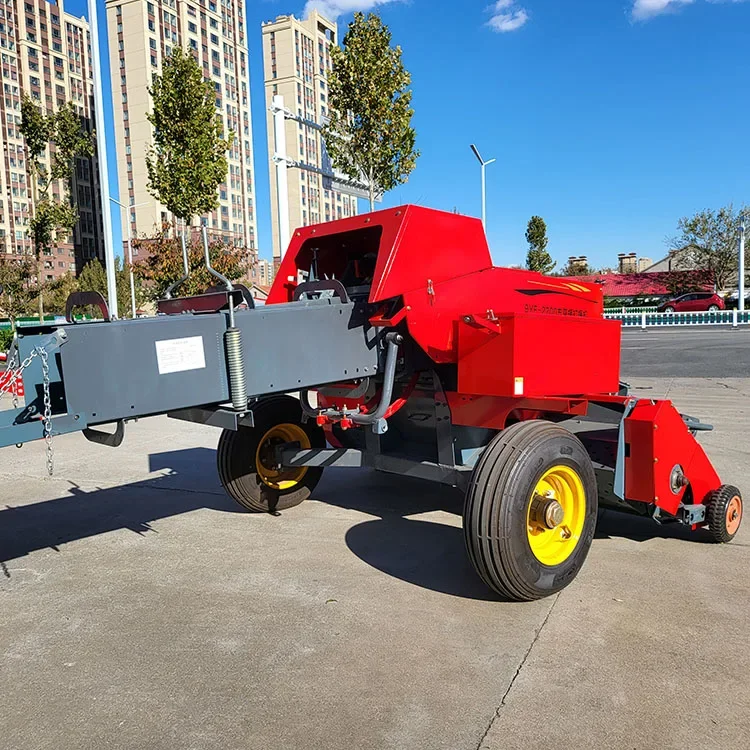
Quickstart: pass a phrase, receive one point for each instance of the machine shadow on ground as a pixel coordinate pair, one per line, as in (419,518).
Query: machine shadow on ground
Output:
(395,540)
(81,513)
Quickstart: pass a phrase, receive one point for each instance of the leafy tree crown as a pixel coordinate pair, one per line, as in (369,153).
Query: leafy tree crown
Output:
(538,259)
(369,134)
(187,160)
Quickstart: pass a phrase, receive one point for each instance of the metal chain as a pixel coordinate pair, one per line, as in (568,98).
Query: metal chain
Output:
(12,364)
(47,415)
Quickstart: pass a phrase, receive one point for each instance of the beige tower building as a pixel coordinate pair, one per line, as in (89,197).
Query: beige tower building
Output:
(296,62)
(141,34)
(46,53)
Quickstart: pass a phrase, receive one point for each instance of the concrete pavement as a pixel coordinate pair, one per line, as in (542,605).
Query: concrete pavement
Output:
(140,609)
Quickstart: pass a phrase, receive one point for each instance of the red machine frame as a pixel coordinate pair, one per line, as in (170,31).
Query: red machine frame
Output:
(489,322)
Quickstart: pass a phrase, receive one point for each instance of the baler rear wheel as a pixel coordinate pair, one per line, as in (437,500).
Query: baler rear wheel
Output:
(724,513)
(245,457)
(530,510)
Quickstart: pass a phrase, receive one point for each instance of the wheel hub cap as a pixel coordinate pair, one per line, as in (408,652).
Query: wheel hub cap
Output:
(276,477)
(556,515)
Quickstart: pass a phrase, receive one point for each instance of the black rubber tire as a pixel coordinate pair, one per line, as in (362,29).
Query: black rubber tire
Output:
(669,309)
(235,458)
(713,308)
(717,506)
(496,509)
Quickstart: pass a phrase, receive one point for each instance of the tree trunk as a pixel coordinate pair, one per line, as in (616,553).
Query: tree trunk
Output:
(371,188)
(39,273)
(37,250)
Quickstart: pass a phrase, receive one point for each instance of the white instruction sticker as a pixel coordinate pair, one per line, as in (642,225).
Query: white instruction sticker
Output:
(180,355)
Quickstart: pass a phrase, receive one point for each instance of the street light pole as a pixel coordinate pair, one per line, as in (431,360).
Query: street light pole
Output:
(101,153)
(483,164)
(130,251)
(742,263)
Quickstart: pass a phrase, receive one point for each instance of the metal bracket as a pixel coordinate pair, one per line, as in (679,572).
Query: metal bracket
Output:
(215,417)
(112,440)
(619,483)
(82,299)
(693,514)
(317,287)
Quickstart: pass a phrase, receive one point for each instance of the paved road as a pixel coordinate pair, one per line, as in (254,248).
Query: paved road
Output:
(694,352)
(140,610)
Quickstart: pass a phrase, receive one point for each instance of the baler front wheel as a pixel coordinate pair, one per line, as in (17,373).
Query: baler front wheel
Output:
(724,513)
(246,458)
(530,511)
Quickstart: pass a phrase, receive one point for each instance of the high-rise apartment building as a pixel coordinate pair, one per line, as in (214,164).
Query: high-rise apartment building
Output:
(296,61)
(141,34)
(263,273)
(46,53)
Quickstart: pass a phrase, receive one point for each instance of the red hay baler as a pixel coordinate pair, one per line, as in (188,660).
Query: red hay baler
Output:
(505,383)
(390,341)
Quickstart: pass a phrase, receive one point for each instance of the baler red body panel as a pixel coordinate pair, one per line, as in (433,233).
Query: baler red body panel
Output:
(525,346)
(506,357)
(659,440)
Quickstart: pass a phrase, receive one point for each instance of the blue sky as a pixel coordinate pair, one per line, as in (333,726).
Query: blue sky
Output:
(609,118)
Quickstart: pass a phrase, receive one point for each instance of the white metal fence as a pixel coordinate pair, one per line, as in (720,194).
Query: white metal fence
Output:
(734,318)
(626,310)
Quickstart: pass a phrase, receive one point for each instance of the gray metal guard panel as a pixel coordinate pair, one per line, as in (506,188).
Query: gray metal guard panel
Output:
(304,344)
(111,370)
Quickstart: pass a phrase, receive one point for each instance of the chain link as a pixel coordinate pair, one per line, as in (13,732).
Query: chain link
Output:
(47,416)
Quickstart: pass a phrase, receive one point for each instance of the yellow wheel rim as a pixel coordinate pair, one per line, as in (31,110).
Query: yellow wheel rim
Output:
(555,515)
(265,462)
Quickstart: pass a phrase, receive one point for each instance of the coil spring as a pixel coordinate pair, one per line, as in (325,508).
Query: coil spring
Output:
(236,365)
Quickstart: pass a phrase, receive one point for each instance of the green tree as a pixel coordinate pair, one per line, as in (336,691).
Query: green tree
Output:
(162,265)
(18,290)
(576,269)
(709,241)
(187,161)
(93,278)
(369,134)
(538,259)
(53,217)
(56,293)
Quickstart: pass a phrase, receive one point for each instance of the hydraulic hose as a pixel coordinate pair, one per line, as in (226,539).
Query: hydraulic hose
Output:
(392,340)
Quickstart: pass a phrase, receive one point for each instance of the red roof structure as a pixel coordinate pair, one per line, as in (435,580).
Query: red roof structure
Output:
(658,284)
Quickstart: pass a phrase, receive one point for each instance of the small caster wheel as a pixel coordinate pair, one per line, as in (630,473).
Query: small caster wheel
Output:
(724,513)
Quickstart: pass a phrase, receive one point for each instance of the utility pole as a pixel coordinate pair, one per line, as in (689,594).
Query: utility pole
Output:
(483,165)
(127,210)
(101,153)
(741,300)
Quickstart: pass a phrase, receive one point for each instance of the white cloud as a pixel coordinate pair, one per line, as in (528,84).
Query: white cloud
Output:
(334,8)
(507,15)
(645,9)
